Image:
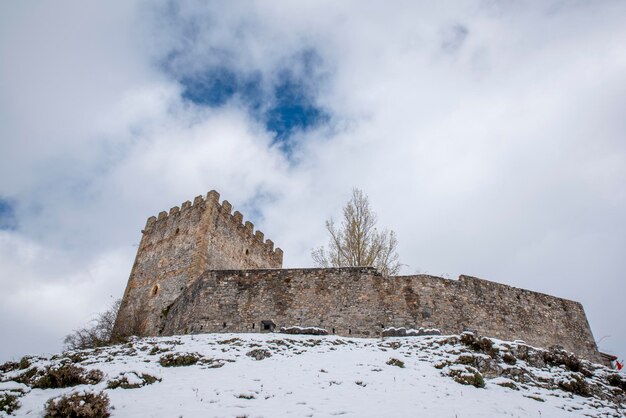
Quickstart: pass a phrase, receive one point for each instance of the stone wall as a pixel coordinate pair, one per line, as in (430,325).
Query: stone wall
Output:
(360,302)
(176,247)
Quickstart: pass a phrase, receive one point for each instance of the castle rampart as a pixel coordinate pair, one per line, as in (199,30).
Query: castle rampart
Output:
(361,302)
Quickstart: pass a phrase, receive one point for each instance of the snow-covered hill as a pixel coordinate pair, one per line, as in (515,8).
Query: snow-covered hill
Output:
(273,375)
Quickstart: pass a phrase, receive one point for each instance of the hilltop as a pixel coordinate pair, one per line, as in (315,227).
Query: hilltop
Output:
(272,374)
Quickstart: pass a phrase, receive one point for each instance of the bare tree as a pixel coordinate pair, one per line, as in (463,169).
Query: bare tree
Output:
(97,334)
(357,241)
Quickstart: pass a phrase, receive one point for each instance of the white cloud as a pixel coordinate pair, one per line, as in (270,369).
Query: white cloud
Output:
(47,292)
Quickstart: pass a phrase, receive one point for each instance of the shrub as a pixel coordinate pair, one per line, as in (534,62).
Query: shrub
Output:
(9,366)
(259,354)
(124,383)
(78,405)
(67,375)
(76,357)
(8,403)
(469,376)
(178,360)
(24,363)
(395,362)
(158,350)
(27,377)
(616,381)
(475,380)
(98,334)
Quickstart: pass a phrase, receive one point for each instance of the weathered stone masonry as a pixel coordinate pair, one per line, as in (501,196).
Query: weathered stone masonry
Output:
(177,247)
(201,270)
(361,302)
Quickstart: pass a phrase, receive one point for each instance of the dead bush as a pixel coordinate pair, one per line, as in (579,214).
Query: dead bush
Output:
(78,405)
(24,363)
(259,354)
(616,381)
(66,375)
(9,366)
(27,377)
(178,359)
(9,402)
(123,382)
(469,376)
(395,362)
(97,333)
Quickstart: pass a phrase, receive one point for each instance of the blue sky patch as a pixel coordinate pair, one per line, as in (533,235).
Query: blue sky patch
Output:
(293,109)
(7,215)
(212,89)
(217,86)
(285,104)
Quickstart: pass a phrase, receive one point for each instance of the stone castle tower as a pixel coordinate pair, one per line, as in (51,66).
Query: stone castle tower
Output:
(176,248)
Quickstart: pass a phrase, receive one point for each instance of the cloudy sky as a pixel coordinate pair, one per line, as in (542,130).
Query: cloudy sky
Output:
(491,136)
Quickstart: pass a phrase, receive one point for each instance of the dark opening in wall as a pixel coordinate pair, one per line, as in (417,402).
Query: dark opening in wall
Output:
(155,290)
(224,325)
(349,331)
(247,251)
(267,326)
(177,231)
(253,325)
(333,330)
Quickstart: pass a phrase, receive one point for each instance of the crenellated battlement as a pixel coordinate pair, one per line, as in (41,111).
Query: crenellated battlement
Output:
(236,219)
(180,244)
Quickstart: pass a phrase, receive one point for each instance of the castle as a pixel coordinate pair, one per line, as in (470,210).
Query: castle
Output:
(200,268)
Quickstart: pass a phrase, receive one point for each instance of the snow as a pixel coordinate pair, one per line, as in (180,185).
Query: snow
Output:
(132,378)
(410,332)
(306,376)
